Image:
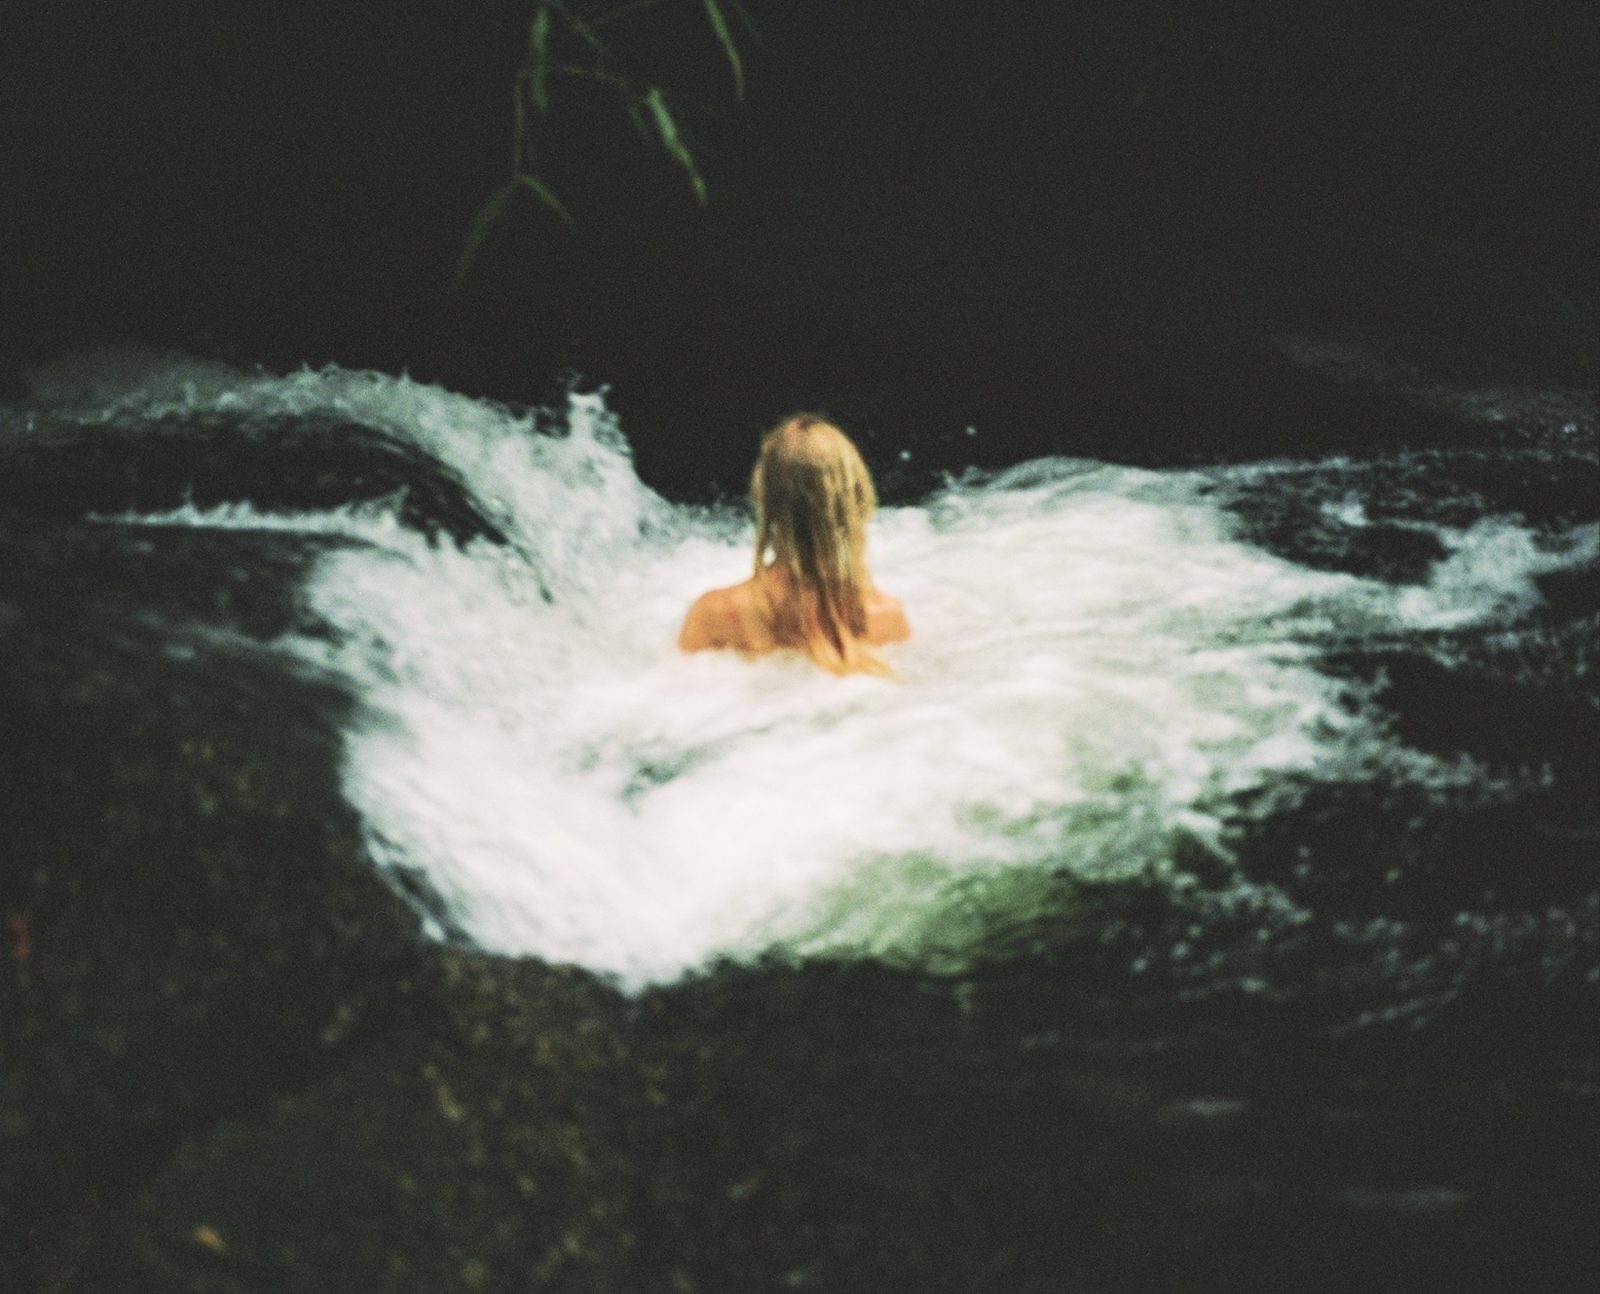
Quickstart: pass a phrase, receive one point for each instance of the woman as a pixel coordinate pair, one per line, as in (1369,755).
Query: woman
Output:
(811,590)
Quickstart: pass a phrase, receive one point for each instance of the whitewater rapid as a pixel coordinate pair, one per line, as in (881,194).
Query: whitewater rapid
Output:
(1100,667)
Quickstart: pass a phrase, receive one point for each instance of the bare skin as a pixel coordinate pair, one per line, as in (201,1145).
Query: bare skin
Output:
(744,618)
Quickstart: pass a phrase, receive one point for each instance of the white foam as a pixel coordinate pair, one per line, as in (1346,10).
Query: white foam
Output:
(1094,665)
(1097,664)
(1490,573)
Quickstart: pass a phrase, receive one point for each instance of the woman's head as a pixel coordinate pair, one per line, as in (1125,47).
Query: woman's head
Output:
(813,497)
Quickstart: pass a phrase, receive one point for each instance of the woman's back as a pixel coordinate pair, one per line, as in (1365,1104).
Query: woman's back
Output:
(767,613)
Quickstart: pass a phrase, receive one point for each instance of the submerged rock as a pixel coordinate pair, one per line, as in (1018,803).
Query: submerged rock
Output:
(196,895)
(273,462)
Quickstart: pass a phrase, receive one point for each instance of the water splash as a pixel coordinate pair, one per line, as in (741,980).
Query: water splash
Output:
(1100,666)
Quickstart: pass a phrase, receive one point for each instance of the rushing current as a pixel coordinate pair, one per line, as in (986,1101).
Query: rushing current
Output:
(1114,673)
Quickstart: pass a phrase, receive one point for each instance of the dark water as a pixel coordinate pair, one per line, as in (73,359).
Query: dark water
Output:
(1314,1006)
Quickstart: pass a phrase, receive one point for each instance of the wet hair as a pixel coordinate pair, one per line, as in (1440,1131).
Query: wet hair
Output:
(813,497)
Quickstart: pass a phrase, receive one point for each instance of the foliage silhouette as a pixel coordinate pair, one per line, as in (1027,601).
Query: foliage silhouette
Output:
(565,43)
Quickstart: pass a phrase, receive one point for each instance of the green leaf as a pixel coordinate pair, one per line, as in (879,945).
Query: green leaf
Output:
(488,213)
(538,60)
(541,190)
(492,209)
(672,141)
(720,26)
(639,123)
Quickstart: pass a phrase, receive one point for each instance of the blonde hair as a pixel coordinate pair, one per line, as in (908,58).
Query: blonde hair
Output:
(813,497)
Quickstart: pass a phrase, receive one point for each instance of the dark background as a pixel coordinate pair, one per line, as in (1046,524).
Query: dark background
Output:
(228,1062)
(1082,228)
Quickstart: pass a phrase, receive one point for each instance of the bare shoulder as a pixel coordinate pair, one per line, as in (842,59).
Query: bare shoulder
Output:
(886,619)
(714,620)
